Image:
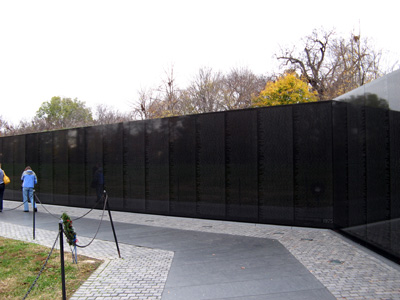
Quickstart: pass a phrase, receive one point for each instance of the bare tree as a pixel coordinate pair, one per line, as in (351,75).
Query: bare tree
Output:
(206,91)
(107,115)
(142,108)
(159,102)
(240,85)
(169,93)
(356,63)
(25,127)
(333,65)
(5,127)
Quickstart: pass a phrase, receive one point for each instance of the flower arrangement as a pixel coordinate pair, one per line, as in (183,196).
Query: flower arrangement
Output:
(69,230)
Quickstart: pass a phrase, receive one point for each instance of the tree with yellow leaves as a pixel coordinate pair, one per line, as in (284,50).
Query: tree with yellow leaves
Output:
(288,89)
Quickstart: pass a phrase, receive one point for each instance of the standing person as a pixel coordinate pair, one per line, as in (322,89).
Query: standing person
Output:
(2,187)
(29,180)
(98,181)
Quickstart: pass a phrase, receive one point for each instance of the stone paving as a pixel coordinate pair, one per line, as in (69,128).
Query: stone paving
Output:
(346,269)
(140,274)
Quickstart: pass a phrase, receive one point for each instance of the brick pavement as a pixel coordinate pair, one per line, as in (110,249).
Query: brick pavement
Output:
(347,270)
(140,274)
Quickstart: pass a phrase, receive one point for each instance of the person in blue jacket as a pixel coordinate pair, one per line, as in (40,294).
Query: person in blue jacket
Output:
(29,180)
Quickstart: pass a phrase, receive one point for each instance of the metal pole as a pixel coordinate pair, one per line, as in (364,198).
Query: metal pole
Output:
(60,225)
(112,224)
(33,207)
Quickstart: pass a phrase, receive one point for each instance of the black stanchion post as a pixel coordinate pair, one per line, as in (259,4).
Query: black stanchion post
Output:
(33,207)
(112,224)
(64,294)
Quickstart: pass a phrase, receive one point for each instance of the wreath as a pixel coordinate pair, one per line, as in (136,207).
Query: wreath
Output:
(69,230)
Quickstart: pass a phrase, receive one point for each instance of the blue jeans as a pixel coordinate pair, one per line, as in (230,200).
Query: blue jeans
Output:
(27,192)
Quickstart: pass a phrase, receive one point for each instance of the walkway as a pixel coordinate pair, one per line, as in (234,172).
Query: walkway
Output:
(183,258)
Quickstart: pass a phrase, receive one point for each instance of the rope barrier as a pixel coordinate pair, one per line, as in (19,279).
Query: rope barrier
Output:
(10,209)
(54,216)
(95,205)
(74,256)
(98,228)
(41,270)
(57,217)
(101,220)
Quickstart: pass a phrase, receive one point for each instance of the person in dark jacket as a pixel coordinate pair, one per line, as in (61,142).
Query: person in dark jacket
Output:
(2,187)
(98,181)
(29,180)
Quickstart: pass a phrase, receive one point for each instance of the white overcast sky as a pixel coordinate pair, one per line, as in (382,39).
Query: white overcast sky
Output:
(104,51)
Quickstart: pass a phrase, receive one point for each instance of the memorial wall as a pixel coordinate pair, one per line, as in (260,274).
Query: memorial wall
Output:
(330,164)
(372,211)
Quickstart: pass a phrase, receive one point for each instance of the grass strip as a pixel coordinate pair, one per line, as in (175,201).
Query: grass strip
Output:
(20,263)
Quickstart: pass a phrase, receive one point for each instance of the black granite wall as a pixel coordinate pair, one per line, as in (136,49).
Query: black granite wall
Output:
(372,210)
(327,164)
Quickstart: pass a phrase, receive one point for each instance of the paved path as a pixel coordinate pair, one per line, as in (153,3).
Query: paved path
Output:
(182,258)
